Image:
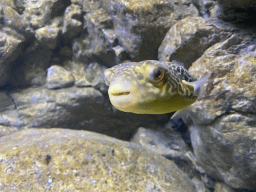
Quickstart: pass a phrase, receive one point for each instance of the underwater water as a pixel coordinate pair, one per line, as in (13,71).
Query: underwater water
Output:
(89,89)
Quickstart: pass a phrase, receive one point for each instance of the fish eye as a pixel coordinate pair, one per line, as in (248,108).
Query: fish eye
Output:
(156,75)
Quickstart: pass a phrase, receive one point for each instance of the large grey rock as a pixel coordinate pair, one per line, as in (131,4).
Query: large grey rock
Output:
(58,159)
(62,107)
(188,39)
(223,120)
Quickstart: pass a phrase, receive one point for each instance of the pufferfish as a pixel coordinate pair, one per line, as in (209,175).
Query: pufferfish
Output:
(151,87)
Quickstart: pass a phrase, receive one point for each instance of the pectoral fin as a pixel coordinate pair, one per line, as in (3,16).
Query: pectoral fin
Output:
(195,86)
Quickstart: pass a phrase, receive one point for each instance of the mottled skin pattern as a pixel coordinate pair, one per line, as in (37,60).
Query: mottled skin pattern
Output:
(134,89)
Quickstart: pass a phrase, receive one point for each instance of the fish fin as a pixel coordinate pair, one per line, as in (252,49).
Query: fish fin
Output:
(178,63)
(196,85)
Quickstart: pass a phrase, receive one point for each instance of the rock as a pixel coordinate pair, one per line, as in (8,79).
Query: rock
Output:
(99,19)
(11,118)
(222,187)
(39,13)
(51,108)
(238,4)
(222,121)
(16,5)
(30,68)
(204,7)
(137,27)
(90,6)
(200,187)
(120,53)
(72,25)
(163,142)
(11,44)
(97,41)
(237,11)
(78,2)
(48,36)
(6,102)
(12,19)
(57,159)
(88,75)
(26,16)
(169,144)
(140,25)
(82,108)
(187,40)
(6,130)
(58,77)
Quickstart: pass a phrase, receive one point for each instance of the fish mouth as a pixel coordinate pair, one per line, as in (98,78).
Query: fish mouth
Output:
(120,93)
(121,99)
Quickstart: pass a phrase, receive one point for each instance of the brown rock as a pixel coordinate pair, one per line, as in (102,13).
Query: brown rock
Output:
(222,121)
(188,39)
(57,159)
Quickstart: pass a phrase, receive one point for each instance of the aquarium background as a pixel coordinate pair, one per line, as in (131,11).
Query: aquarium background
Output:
(58,129)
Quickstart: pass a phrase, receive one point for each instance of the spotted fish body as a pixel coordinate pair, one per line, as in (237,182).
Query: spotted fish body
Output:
(150,87)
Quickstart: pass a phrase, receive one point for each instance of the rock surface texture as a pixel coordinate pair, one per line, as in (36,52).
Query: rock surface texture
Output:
(58,159)
(223,121)
(52,56)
